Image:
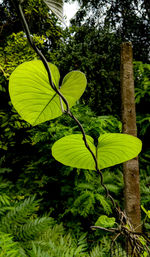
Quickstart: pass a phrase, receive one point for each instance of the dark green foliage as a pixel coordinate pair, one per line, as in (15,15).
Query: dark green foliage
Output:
(142,83)
(91,197)
(20,223)
(91,50)
(5,199)
(129,20)
(39,237)
(37,14)
(23,225)
(145,178)
(142,94)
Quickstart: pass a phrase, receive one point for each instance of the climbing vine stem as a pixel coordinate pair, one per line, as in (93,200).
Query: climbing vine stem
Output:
(62,98)
(124,227)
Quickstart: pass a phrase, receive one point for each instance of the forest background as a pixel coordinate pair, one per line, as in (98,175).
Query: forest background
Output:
(46,209)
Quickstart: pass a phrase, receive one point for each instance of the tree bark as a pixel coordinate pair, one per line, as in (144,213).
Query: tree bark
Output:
(130,168)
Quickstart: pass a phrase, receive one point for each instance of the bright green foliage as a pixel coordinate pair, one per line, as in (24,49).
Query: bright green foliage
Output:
(8,248)
(146,212)
(71,151)
(18,43)
(33,97)
(105,221)
(116,148)
(112,149)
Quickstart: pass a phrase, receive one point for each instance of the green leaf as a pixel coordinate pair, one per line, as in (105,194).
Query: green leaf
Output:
(112,149)
(32,95)
(105,221)
(71,151)
(73,86)
(115,148)
(147,212)
(56,6)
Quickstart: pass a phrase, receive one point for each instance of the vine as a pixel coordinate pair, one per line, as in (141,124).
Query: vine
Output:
(124,142)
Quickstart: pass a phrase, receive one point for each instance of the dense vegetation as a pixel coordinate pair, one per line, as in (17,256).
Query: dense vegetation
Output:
(47,208)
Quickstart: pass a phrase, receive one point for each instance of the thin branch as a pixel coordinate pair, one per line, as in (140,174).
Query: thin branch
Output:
(113,230)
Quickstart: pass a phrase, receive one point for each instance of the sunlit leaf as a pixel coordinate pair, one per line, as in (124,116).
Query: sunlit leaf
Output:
(112,149)
(147,212)
(32,95)
(105,221)
(115,148)
(71,151)
(56,6)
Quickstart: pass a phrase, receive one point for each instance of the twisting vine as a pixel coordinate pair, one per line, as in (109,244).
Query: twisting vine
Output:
(67,111)
(124,228)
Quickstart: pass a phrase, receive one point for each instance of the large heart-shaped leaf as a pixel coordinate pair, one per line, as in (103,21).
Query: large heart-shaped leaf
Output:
(112,149)
(56,6)
(32,95)
(71,151)
(115,148)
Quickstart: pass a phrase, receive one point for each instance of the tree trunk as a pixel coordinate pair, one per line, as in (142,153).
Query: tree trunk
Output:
(130,168)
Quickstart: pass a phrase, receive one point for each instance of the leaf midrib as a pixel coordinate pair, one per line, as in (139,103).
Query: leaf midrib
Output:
(45,108)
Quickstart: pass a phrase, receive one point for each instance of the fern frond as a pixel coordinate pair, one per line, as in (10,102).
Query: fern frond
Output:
(102,248)
(84,186)
(96,252)
(62,244)
(4,199)
(32,228)
(81,245)
(19,214)
(37,252)
(84,204)
(89,175)
(8,248)
(5,209)
(102,200)
(22,252)
(39,243)
(54,232)
(113,188)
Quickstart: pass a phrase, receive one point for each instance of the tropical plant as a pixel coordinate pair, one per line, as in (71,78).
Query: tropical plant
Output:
(36,110)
